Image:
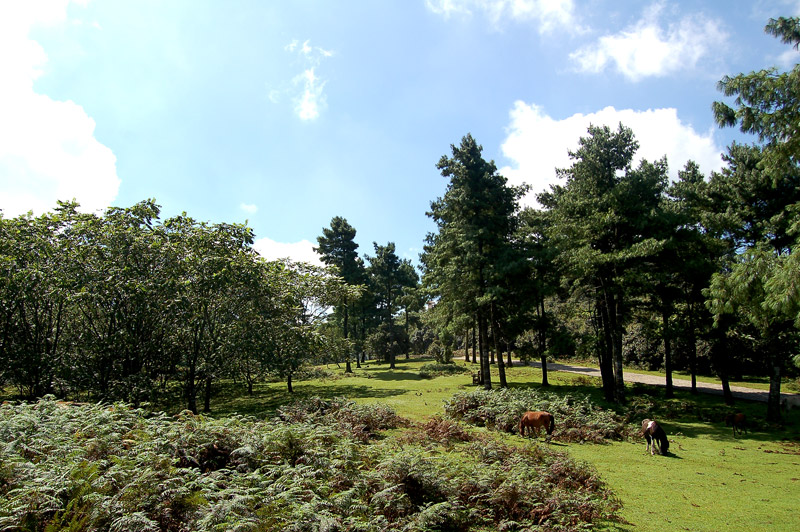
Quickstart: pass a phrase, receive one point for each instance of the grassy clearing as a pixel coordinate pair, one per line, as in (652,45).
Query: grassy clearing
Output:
(712,481)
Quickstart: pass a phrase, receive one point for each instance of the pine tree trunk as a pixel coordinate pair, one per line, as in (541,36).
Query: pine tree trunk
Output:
(191,390)
(474,344)
(617,333)
(207,395)
(347,368)
(466,345)
(542,341)
(692,350)
(604,351)
(486,375)
(774,399)
(667,350)
(501,368)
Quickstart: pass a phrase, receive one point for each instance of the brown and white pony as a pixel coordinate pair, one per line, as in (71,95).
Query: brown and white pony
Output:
(655,435)
(533,421)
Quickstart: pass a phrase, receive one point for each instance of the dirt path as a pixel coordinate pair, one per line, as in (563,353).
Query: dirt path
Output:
(739,392)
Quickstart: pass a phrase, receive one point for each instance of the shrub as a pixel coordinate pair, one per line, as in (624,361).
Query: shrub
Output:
(430,371)
(577,418)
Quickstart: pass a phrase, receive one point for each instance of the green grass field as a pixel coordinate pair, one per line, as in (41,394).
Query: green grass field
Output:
(710,482)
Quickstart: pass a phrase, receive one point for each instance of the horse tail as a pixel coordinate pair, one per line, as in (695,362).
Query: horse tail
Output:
(552,424)
(521,428)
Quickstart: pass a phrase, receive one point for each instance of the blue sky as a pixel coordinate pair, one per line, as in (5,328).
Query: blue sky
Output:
(285,114)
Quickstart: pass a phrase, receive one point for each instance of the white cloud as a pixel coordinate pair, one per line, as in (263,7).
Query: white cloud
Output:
(312,98)
(789,58)
(650,49)
(48,151)
(538,144)
(296,251)
(307,89)
(249,208)
(548,14)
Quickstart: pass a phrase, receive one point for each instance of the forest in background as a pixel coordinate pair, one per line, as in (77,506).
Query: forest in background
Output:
(619,264)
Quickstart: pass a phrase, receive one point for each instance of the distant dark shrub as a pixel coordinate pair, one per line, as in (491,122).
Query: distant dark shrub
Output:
(430,371)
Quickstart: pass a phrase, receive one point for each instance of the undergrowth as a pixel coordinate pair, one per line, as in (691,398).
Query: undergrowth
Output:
(321,465)
(577,419)
(430,371)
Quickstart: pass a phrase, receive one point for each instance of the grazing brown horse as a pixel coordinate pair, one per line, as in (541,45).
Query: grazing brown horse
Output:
(655,435)
(738,421)
(533,421)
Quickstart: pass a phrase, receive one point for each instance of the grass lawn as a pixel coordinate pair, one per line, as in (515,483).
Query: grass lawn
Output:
(710,482)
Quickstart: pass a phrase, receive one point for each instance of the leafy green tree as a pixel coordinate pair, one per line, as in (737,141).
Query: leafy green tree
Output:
(767,103)
(603,226)
(541,283)
(337,248)
(761,289)
(305,293)
(34,295)
(389,276)
(205,267)
(120,325)
(694,252)
(463,260)
(411,298)
(762,185)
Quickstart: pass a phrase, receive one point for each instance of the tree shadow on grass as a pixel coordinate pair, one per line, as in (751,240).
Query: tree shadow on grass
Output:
(266,399)
(395,375)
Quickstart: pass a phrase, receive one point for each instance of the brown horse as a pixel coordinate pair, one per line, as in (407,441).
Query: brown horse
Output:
(738,421)
(533,421)
(655,435)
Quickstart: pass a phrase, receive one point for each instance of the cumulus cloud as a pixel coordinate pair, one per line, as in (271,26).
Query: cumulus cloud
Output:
(296,251)
(651,48)
(548,14)
(537,144)
(48,151)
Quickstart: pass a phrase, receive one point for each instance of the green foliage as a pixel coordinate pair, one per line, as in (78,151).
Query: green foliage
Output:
(118,306)
(430,371)
(79,467)
(466,262)
(577,419)
(442,352)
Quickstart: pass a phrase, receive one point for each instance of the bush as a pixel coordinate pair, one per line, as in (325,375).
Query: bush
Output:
(442,353)
(577,419)
(430,371)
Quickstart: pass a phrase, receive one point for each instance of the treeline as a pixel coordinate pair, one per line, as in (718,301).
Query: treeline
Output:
(617,263)
(123,306)
(621,264)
